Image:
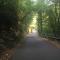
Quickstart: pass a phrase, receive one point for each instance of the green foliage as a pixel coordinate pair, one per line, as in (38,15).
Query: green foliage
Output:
(48,18)
(16,15)
(8,23)
(24,14)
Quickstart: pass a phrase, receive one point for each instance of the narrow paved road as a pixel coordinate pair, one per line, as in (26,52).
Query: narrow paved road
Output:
(36,49)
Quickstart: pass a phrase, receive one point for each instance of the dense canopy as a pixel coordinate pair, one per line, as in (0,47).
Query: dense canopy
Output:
(16,16)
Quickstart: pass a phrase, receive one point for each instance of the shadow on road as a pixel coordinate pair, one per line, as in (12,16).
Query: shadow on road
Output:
(36,48)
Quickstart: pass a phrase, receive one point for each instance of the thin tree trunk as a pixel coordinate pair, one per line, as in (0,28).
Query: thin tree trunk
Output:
(54,30)
(41,22)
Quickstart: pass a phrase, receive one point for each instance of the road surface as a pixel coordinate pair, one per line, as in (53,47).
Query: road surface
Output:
(36,49)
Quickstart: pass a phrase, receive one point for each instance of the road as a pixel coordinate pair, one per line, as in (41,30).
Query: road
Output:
(36,49)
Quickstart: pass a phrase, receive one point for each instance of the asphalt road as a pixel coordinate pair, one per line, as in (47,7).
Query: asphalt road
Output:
(36,49)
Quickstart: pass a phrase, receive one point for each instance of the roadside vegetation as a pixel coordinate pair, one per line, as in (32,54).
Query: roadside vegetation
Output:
(16,16)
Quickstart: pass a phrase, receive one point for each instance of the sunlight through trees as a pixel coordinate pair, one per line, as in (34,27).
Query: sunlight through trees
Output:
(17,15)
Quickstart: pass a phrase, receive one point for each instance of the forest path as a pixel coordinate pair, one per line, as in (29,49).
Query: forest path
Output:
(36,48)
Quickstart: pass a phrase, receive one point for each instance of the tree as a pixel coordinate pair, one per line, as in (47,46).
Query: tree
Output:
(48,17)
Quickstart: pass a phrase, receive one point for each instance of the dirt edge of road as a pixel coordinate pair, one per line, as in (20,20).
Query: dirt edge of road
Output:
(54,43)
